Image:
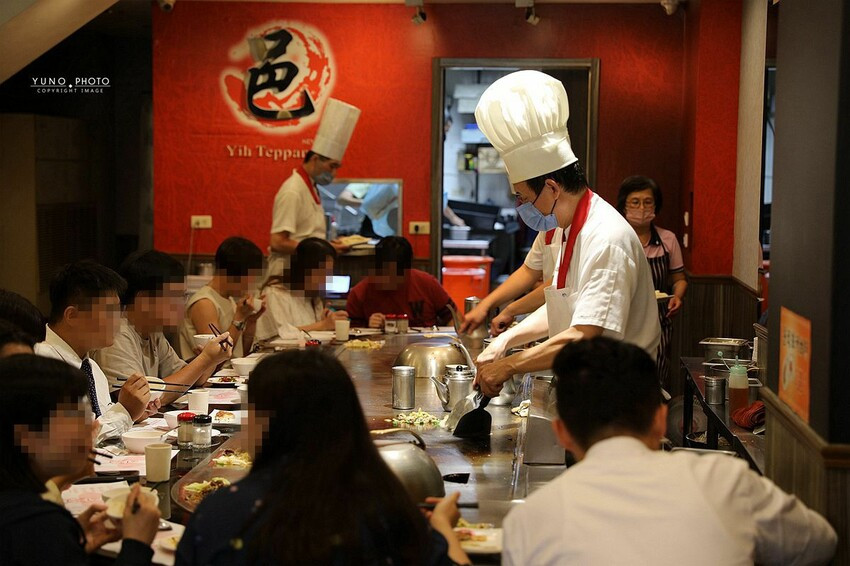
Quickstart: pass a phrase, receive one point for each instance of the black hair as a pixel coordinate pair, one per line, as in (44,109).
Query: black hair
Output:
(310,153)
(310,253)
(394,248)
(11,334)
(320,449)
(634,184)
(19,311)
(80,283)
(605,387)
(237,257)
(571,178)
(148,272)
(33,387)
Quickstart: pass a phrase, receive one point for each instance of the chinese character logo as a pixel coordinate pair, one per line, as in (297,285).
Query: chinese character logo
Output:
(283,72)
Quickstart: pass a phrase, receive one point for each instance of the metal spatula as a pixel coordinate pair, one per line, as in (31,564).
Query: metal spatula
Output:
(476,422)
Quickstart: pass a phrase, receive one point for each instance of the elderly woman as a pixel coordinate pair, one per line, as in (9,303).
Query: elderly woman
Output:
(639,201)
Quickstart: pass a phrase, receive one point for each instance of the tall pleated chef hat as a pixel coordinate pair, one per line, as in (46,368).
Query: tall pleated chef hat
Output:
(335,129)
(524,115)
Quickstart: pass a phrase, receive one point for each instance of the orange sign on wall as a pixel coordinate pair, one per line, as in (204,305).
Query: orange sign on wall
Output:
(795,356)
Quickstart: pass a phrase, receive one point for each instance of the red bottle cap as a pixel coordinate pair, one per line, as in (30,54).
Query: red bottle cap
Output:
(185,417)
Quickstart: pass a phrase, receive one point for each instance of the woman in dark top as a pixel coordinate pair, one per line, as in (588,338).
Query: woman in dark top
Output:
(319,491)
(45,432)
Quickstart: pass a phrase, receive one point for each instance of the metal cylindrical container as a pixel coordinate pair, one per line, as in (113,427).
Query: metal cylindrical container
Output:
(715,390)
(404,387)
(470,303)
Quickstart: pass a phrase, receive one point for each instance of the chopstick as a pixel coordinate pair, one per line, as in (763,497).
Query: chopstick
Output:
(116,387)
(218,332)
(104,454)
(430,506)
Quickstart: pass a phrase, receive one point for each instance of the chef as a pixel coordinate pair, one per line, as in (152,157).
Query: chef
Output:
(298,211)
(602,285)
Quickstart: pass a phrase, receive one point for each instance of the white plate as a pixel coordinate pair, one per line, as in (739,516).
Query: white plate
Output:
(217,382)
(491,545)
(173,434)
(226,371)
(169,544)
(238,415)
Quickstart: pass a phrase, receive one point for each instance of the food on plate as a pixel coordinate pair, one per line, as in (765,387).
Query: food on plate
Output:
(353,240)
(232,459)
(364,344)
(196,492)
(169,543)
(464,524)
(227,379)
(419,418)
(225,417)
(464,535)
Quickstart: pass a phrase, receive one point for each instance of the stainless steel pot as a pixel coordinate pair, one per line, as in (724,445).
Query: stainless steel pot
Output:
(726,349)
(430,357)
(411,464)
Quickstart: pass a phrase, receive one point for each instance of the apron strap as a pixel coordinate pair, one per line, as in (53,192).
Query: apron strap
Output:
(579,218)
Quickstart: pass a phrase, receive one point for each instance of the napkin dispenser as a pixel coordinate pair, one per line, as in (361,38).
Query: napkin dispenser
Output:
(538,442)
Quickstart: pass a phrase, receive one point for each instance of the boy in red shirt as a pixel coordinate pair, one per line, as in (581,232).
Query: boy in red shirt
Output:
(395,288)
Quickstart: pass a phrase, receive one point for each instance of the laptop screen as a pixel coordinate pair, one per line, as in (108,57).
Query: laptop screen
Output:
(337,284)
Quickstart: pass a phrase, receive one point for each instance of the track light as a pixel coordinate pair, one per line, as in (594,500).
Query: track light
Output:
(531,17)
(419,16)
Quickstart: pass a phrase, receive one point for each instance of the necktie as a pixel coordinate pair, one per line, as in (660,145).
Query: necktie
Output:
(86,367)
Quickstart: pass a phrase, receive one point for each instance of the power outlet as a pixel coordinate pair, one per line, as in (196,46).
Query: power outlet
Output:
(418,228)
(201,222)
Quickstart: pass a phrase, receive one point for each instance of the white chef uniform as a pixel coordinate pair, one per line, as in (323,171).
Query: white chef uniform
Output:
(114,419)
(608,284)
(627,504)
(543,255)
(297,205)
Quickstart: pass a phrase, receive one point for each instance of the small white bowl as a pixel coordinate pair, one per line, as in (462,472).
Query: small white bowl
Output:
(243,393)
(244,365)
(136,440)
(123,492)
(171,418)
(156,386)
(202,339)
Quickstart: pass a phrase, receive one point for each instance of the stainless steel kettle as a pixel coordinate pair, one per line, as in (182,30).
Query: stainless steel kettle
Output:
(455,384)
(408,460)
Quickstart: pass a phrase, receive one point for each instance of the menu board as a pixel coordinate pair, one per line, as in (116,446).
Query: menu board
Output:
(795,351)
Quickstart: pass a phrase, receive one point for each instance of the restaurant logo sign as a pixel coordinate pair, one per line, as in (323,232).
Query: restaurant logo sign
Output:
(280,75)
(72,85)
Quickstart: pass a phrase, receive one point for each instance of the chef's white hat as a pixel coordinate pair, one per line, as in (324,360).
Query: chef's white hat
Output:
(524,115)
(335,129)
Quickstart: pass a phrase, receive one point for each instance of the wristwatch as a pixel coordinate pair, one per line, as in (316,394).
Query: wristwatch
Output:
(239,325)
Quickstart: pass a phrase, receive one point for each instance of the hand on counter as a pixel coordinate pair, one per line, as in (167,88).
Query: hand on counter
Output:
(377,320)
(500,323)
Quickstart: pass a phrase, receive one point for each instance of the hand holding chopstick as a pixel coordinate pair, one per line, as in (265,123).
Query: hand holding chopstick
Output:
(218,332)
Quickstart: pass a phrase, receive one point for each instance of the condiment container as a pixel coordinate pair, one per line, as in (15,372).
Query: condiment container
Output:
(185,429)
(715,390)
(403,323)
(391,324)
(739,388)
(404,387)
(202,434)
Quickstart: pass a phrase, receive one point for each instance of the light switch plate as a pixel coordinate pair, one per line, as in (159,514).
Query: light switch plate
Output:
(201,222)
(419,228)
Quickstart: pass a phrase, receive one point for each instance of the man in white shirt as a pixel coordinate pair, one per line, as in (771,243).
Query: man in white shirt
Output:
(298,212)
(84,316)
(603,285)
(626,502)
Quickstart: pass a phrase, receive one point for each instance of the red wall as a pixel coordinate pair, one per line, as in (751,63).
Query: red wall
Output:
(712,71)
(384,67)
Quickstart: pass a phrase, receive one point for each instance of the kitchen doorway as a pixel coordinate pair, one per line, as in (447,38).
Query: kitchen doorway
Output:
(473,218)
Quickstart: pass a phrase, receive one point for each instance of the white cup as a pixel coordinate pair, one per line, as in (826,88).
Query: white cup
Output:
(199,401)
(342,327)
(158,462)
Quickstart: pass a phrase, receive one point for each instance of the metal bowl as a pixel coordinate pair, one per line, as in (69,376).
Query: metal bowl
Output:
(417,472)
(430,357)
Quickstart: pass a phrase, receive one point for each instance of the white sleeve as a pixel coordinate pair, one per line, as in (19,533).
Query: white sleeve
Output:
(285,212)
(533,327)
(534,257)
(114,422)
(512,540)
(787,532)
(605,294)
(276,320)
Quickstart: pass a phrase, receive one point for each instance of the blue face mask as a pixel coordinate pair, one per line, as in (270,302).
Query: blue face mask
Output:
(535,219)
(325,178)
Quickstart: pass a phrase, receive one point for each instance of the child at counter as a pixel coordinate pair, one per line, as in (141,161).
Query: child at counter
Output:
(626,502)
(225,301)
(319,491)
(396,288)
(293,299)
(46,431)
(153,301)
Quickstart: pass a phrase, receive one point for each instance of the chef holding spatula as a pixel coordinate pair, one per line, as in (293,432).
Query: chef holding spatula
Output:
(602,283)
